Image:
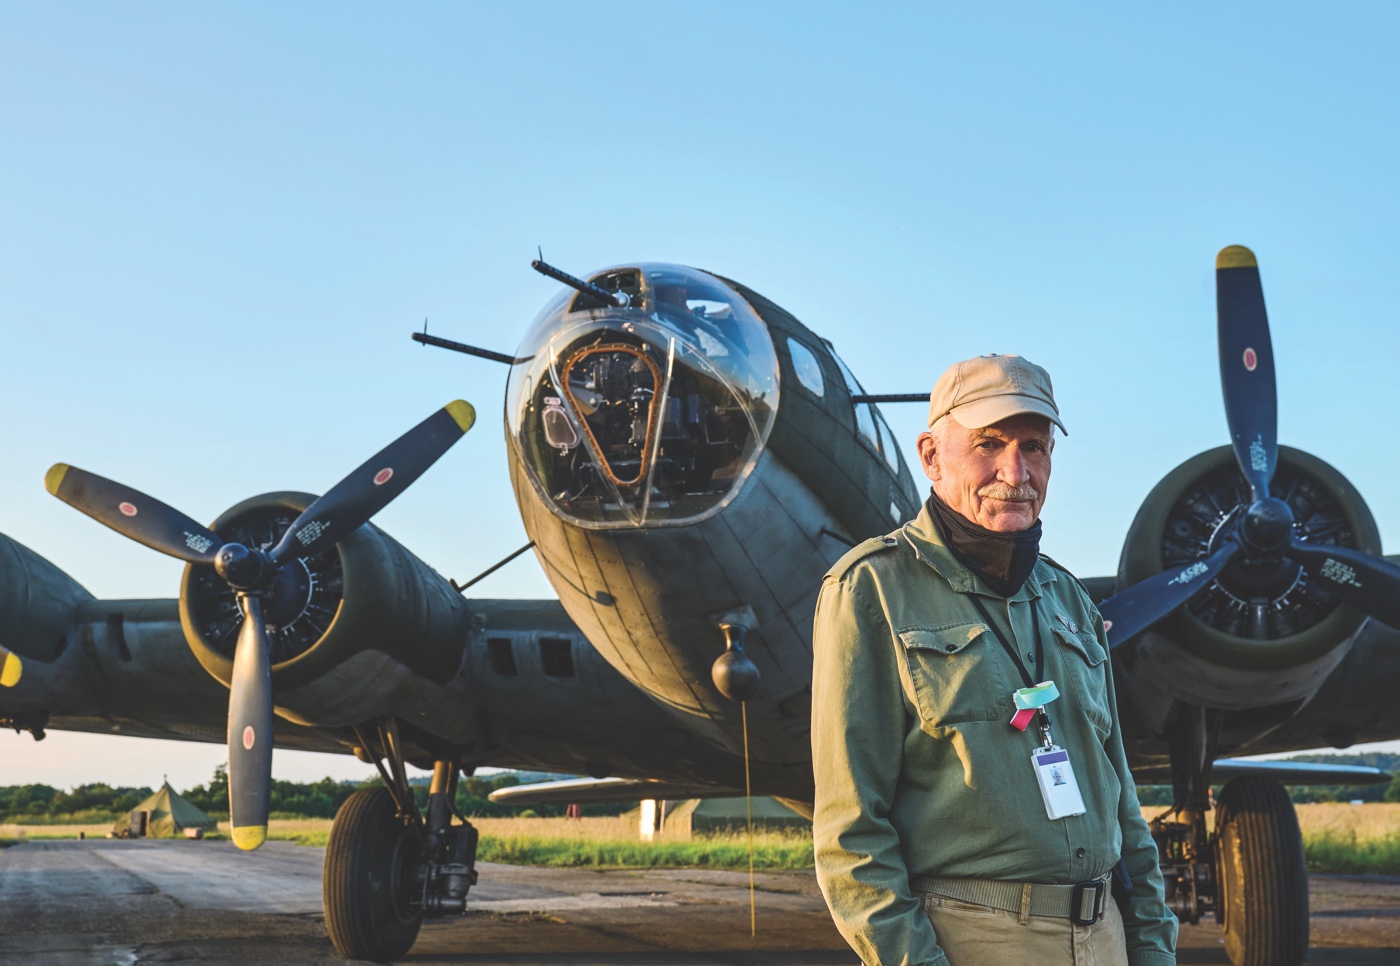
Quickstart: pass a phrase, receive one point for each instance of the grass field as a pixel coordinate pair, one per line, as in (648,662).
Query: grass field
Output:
(1336,838)
(608,843)
(1352,838)
(18,833)
(596,843)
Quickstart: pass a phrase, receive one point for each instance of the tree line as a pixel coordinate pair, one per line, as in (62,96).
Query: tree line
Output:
(319,799)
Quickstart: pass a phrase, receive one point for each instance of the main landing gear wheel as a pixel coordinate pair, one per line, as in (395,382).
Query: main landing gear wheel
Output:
(1261,874)
(367,881)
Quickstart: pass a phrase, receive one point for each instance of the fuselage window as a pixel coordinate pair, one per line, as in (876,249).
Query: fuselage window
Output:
(502,656)
(807,368)
(864,420)
(893,456)
(116,636)
(557,656)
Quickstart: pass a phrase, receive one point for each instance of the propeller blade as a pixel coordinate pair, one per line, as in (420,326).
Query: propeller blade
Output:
(250,730)
(366,491)
(1368,583)
(1247,366)
(1132,611)
(10,668)
(133,514)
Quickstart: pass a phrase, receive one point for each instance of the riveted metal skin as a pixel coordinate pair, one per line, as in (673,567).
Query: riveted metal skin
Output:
(646,597)
(37,602)
(820,442)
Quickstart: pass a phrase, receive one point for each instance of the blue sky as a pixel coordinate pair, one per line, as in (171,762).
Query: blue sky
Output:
(219,224)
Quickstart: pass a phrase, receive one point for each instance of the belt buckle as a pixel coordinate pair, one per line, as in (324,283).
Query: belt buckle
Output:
(1076,902)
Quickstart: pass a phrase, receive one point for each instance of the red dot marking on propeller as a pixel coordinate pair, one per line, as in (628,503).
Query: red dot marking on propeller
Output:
(248,737)
(128,509)
(1251,359)
(383,476)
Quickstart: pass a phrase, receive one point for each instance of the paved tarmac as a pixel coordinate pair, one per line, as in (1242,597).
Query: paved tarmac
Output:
(100,902)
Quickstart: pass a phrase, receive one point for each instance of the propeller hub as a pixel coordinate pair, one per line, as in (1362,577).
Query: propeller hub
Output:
(1267,526)
(288,593)
(1257,579)
(238,565)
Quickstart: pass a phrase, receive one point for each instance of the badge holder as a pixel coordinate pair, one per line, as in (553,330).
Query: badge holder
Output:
(1058,786)
(1053,772)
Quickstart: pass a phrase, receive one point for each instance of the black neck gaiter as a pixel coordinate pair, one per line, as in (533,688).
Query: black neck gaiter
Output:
(1002,560)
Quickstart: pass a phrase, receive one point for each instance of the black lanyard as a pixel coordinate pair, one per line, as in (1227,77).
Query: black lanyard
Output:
(1027,675)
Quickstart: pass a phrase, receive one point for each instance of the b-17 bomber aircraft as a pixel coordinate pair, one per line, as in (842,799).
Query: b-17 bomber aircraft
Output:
(688,460)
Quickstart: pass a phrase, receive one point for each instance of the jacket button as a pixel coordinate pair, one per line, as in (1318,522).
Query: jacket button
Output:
(951,648)
(1030,656)
(1079,853)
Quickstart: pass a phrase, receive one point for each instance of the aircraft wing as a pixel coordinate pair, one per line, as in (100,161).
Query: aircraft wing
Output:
(598,790)
(504,683)
(1287,772)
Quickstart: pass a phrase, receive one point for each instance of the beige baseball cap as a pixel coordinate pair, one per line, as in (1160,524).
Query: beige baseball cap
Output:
(985,390)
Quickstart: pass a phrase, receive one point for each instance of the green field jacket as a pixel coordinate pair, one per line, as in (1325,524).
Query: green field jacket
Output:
(918,770)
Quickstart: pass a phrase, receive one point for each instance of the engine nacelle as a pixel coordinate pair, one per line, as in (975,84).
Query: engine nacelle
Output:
(38,605)
(37,602)
(353,628)
(1262,634)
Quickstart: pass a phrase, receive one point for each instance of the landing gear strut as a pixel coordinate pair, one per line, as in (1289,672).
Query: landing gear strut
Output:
(388,866)
(1183,843)
(1251,873)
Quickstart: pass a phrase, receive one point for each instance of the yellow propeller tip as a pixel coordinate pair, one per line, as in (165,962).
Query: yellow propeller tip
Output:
(53,479)
(1235,256)
(10,669)
(463,412)
(249,837)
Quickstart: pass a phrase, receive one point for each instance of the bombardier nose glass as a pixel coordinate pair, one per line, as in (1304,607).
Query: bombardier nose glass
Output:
(650,415)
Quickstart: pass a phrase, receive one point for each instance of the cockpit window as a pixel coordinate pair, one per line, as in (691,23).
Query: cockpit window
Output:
(648,415)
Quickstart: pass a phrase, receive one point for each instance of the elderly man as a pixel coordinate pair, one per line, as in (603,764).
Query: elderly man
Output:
(974,805)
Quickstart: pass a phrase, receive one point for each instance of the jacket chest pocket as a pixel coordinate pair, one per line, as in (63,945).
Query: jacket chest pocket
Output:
(955,674)
(1085,664)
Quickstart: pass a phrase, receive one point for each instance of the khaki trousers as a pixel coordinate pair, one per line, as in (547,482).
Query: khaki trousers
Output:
(973,935)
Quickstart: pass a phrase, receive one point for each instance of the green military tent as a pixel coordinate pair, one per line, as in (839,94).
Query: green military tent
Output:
(697,816)
(165,815)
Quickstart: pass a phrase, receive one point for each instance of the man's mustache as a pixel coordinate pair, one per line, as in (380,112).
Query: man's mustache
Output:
(1025,493)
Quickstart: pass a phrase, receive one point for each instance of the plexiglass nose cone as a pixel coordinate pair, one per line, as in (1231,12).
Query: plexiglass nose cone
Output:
(648,415)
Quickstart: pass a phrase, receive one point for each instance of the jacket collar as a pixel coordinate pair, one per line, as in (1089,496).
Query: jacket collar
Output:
(929,547)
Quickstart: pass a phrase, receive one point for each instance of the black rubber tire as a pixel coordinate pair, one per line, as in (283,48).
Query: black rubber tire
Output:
(1260,874)
(366,882)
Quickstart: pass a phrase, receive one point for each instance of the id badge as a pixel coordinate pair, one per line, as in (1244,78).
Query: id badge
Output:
(1057,783)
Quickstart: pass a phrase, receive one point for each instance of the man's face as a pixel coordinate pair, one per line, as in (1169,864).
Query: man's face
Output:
(996,476)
